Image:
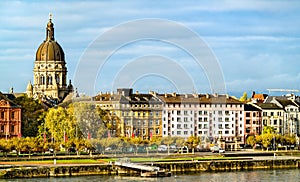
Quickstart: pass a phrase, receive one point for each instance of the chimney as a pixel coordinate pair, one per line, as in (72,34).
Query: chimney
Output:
(207,96)
(166,95)
(253,93)
(174,94)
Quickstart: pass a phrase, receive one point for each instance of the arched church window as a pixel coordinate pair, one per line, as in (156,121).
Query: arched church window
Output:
(50,80)
(42,81)
(57,79)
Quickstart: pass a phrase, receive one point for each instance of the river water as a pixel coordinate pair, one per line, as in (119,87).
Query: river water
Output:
(280,175)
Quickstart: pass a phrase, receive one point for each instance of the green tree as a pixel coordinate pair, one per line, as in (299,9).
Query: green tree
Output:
(32,115)
(60,124)
(88,120)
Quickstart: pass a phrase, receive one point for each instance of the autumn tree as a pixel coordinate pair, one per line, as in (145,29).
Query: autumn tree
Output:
(60,124)
(192,142)
(168,141)
(251,141)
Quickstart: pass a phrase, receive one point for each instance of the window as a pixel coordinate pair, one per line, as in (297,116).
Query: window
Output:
(227,126)
(178,126)
(2,115)
(220,126)
(247,114)
(12,128)
(247,121)
(13,115)
(247,130)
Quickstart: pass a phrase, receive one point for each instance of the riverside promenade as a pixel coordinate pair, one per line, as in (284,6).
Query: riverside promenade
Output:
(104,165)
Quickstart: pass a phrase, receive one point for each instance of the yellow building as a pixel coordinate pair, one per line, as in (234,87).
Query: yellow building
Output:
(135,115)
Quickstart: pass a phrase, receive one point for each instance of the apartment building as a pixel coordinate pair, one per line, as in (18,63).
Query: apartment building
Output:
(211,116)
(272,115)
(136,115)
(291,113)
(253,120)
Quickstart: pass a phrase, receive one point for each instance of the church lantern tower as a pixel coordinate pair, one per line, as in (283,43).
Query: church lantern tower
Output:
(50,71)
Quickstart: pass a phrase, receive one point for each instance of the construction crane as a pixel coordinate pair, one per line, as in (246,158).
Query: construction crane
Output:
(282,90)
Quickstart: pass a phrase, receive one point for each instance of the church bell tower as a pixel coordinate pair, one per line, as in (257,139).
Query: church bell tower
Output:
(50,71)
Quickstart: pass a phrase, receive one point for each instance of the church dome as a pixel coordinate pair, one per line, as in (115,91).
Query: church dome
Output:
(50,50)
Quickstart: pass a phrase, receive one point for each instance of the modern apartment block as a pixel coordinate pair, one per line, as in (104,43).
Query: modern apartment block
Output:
(211,116)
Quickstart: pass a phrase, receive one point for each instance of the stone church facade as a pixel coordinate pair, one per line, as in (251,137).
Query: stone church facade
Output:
(50,71)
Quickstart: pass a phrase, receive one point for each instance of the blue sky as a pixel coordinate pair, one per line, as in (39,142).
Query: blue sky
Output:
(257,43)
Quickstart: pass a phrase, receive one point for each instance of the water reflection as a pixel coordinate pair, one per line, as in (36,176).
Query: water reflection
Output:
(288,175)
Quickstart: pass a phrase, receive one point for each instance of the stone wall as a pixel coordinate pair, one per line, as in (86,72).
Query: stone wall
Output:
(228,165)
(109,169)
(54,171)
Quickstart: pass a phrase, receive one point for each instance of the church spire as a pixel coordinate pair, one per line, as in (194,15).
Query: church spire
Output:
(50,29)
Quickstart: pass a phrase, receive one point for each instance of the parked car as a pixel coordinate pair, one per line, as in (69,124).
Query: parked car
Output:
(162,148)
(216,149)
(182,150)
